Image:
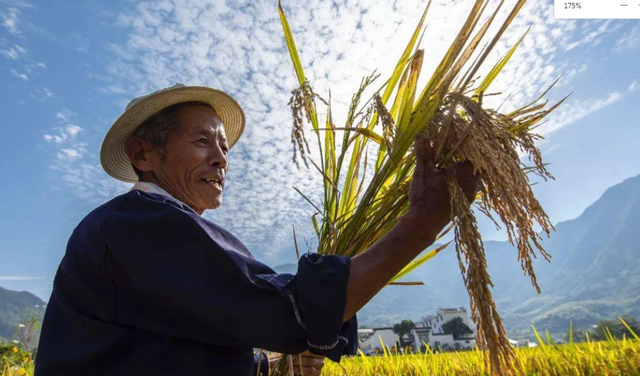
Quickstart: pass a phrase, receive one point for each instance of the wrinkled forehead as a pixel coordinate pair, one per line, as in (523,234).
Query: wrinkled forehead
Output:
(202,119)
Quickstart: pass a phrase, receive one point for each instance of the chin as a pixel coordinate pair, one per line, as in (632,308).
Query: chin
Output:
(215,204)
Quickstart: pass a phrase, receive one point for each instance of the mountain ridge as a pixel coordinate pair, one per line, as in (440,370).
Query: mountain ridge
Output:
(14,305)
(592,274)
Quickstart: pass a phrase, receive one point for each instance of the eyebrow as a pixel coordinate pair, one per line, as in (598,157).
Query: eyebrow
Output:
(207,131)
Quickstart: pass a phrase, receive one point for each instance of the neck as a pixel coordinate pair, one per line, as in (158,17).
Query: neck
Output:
(151,178)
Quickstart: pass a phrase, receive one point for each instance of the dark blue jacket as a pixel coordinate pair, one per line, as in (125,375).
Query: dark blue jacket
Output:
(148,287)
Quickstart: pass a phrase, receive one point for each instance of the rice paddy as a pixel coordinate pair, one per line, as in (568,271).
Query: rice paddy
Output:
(610,358)
(606,358)
(448,112)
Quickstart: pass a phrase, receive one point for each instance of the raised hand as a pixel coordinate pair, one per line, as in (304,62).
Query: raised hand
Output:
(429,193)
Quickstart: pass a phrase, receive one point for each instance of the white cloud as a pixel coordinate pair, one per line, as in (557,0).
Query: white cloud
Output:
(72,129)
(19,75)
(32,67)
(66,133)
(66,154)
(594,37)
(13,53)
(628,41)
(20,278)
(10,20)
(579,108)
(238,47)
(43,94)
(77,167)
(65,114)
(17,3)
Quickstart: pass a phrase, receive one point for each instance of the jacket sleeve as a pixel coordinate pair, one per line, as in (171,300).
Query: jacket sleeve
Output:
(178,274)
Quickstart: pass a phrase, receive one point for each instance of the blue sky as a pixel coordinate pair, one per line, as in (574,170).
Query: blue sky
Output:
(68,68)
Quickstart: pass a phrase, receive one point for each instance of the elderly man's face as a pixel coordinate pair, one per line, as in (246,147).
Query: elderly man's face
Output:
(195,162)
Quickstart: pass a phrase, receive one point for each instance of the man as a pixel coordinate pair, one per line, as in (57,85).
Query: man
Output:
(149,287)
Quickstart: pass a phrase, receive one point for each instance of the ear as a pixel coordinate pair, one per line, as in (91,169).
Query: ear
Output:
(140,153)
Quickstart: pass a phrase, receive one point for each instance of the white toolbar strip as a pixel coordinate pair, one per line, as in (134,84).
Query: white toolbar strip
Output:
(601,9)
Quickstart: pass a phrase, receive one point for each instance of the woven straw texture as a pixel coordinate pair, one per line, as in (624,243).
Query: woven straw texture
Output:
(113,158)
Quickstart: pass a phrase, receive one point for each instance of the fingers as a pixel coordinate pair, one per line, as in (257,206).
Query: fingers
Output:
(470,182)
(308,364)
(424,154)
(308,360)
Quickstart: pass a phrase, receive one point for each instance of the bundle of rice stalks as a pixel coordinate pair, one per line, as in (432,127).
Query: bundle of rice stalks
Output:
(449,112)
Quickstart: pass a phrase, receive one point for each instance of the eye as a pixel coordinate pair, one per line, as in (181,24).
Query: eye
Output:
(203,141)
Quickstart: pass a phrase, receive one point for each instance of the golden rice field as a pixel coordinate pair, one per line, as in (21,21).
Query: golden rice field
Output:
(608,358)
(584,359)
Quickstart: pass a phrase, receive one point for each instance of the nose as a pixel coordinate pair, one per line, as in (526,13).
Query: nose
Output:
(217,157)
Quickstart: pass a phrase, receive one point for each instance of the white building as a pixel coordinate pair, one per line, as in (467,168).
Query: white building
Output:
(446,341)
(428,331)
(370,339)
(444,315)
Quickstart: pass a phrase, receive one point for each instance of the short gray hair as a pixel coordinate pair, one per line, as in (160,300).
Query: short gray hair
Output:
(159,127)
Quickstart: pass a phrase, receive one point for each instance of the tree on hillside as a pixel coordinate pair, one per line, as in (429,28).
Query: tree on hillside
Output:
(403,330)
(617,329)
(456,327)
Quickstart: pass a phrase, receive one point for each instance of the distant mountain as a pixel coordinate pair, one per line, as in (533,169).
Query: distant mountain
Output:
(594,273)
(13,307)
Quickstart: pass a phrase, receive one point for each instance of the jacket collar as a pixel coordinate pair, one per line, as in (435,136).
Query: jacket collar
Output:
(154,188)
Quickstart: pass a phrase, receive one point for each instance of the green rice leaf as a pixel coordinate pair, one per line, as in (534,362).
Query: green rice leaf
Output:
(315,224)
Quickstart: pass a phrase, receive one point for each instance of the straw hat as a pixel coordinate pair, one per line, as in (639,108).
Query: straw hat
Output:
(113,158)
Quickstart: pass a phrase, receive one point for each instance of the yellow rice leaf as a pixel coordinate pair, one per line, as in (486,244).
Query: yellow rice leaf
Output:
(351,180)
(404,59)
(330,165)
(406,108)
(295,59)
(493,42)
(443,69)
(473,45)
(291,44)
(629,329)
(371,135)
(540,341)
(491,76)
(522,109)
(533,120)
(390,85)
(419,261)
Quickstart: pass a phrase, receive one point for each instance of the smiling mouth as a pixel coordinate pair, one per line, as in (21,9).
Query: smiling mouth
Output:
(218,183)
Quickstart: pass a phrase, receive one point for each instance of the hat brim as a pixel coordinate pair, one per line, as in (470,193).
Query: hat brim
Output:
(113,157)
